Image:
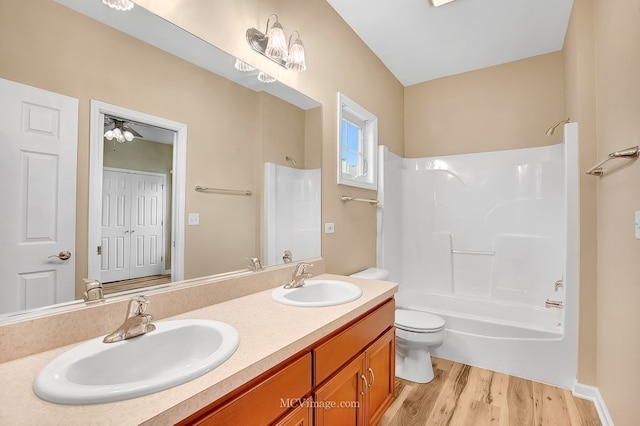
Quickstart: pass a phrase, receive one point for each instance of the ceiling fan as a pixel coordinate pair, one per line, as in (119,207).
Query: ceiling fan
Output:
(119,130)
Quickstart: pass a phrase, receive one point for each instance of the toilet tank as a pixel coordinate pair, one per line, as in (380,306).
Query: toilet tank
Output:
(372,274)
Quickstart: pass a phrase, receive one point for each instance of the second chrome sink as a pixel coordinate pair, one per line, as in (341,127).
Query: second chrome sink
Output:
(174,353)
(318,292)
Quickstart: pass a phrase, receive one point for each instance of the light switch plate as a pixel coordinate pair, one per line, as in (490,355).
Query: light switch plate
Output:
(329,228)
(637,225)
(194,218)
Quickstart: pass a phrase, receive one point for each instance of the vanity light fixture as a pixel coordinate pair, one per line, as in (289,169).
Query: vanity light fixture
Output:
(243,66)
(122,5)
(274,46)
(276,40)
(263,77)
(295,60)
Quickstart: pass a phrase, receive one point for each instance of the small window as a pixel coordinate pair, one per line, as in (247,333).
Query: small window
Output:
(357,145)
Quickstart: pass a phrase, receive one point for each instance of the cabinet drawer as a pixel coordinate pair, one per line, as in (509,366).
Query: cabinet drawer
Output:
(263,403)
(335,352)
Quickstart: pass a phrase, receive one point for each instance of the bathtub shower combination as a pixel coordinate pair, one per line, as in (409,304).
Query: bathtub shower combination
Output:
(488,242)
(292,213)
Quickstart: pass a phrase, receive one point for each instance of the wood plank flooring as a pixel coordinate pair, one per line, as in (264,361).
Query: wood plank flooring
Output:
(461,395)
(117,286)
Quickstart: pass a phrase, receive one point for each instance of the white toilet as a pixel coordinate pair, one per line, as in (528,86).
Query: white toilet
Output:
(417,333)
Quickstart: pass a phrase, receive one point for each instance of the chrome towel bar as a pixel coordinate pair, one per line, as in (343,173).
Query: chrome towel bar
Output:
(364,200)
(625,153)
(246,192)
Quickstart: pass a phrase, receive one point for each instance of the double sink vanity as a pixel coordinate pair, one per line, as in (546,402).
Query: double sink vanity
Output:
(291,356)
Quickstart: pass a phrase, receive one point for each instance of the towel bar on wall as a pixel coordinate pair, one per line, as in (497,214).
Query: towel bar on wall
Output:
(246,192)
(364,200)
(625,153)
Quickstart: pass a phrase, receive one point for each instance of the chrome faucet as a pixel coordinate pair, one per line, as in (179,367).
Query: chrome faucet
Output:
(254,264)
(299,275)
(554,304)
(94,291)
(136,322)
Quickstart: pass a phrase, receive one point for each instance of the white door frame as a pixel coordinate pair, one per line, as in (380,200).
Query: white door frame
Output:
(96,162)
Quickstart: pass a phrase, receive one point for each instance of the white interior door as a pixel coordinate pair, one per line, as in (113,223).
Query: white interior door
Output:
(116,225)
(133,205)
(147,225)
(38,139)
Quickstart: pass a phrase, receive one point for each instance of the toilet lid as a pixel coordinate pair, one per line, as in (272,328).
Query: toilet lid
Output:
(418,321)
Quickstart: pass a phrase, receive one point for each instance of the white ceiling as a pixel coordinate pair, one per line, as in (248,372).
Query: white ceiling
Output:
(418,42)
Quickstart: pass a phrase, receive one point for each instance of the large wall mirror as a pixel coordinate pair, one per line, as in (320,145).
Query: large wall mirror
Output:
(238,130)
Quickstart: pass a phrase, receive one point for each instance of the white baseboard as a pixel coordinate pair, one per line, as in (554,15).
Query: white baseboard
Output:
(593,394)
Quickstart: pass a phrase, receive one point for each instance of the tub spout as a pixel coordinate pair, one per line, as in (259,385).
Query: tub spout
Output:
(554,304)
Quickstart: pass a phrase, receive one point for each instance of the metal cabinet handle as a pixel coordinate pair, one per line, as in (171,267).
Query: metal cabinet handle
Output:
(63,255)
(366,384)
(373,377)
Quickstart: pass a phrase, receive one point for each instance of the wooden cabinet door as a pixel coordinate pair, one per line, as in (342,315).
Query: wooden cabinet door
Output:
(301,416)
(380,373)
(340,401)
(263,403)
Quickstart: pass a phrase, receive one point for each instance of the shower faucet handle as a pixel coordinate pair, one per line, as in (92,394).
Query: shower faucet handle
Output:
(559,284)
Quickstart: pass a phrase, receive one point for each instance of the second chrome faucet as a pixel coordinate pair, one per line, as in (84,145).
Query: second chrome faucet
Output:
(299,275)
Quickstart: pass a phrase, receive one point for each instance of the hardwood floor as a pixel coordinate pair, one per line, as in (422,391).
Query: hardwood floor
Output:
(461,395)
(117,286)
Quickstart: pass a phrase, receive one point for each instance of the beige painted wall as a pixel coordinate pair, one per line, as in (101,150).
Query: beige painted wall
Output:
(617,48)
(223,119)
(602,65)
(579,77)
(501,107)
(337,60)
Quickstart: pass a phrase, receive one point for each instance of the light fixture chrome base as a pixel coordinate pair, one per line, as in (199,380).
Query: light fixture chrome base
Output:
(258,42)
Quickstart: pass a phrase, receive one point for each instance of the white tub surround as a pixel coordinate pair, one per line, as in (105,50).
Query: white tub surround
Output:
(269,334)
(292,213)
(481,240)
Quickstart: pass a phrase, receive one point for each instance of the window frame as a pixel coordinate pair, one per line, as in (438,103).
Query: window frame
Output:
(354,114)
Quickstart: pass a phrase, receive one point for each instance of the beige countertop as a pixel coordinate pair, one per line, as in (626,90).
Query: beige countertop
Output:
(269,334)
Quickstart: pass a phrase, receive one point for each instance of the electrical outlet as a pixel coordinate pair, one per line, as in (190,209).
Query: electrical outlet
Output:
(329,228)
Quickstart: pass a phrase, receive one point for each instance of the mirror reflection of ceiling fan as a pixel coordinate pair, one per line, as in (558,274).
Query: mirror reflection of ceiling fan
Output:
(119,130)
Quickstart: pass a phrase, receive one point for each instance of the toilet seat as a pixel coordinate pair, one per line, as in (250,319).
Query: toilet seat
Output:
(418,322)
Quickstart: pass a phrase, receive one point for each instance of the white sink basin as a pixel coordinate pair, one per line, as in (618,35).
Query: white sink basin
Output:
(174,353)
(318,293)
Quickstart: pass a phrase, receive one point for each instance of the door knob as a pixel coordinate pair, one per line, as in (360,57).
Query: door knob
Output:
(63,255)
